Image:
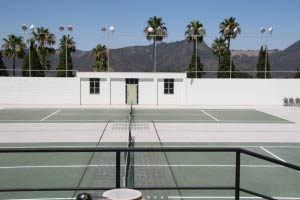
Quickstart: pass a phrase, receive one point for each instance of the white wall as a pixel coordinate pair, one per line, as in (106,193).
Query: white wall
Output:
(147,91)
(118,91)
(171,99)
(240,91)
(39,90)
(87,98)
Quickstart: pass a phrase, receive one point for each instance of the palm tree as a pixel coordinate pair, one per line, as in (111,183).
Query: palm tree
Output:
(156,31)
(14,48)
(65,42)
(219,48)
(229,29)
(99,55)
(192,33)
(44,40)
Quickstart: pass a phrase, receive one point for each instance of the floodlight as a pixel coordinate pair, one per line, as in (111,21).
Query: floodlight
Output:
(70,28)
(61,28)
(111,29)
(24,27)
(32,27)
(150,29)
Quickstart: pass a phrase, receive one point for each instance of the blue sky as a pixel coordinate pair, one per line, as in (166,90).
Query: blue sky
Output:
(129,18)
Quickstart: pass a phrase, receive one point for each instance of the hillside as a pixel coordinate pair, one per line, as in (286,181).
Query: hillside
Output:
(176,56)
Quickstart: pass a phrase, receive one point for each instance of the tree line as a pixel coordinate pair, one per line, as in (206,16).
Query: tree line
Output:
(40,48)
(41,43)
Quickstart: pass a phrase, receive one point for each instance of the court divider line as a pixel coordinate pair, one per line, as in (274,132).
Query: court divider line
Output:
(269,152)
(211,116)
(50,115)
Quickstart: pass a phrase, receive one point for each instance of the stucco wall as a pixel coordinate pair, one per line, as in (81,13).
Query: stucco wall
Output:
(39,90)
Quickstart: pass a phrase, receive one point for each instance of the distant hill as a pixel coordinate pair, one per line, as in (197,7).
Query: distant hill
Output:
(175,56)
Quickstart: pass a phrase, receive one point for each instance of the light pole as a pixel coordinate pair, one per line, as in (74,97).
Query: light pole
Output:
(111,30)
(262,31)
(228,31)
(24,28)
(199,33)
(69,30)
(155,32)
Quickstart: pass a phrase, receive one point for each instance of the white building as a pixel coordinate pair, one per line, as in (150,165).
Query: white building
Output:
(120,88)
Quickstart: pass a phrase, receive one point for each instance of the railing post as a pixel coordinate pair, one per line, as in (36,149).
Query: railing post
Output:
(118,169)
(237,174)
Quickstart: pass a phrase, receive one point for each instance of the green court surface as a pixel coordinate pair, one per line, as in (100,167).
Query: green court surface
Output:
(140,115)
(152,169)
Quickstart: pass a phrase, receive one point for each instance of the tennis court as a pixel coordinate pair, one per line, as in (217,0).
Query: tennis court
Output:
(8,115)
(151,127)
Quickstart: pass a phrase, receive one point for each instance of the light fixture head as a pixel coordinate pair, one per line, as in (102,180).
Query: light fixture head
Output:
(112,29)
(227,30)
(201,30)
(24,27)
(103,28)
(271,30)
(61,28)
(236,30)
(262,30)
(70,28)
(32,27)
(150,29)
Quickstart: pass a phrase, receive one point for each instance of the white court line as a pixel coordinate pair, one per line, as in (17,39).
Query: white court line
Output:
(210,115)
(219,197)
(272,154)
(134,114)
(50,115)
(136,165)
(75,146)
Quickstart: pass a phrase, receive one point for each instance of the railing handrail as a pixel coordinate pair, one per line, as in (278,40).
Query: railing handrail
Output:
(145,149)
(237,150)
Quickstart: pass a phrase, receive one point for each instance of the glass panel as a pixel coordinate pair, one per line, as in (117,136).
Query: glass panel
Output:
(91,90)
(97,90)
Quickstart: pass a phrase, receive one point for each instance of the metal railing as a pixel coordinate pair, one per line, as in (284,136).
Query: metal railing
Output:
(118,150)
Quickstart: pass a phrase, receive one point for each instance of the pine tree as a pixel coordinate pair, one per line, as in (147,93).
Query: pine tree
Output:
(192,68)
(261,65)
(62,64)
(3,71)
(224,68)
(65,42)
(35,64)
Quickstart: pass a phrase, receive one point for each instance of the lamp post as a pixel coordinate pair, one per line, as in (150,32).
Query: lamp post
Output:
(110,31)
(262,31)
(24,28)
(229,32)
(200,32)
(68,31)
(155,32)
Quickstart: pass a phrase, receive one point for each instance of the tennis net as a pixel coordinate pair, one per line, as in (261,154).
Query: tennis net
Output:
(128,179)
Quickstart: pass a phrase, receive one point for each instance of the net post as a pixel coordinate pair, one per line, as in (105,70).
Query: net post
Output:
(118,169)
(237,174)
